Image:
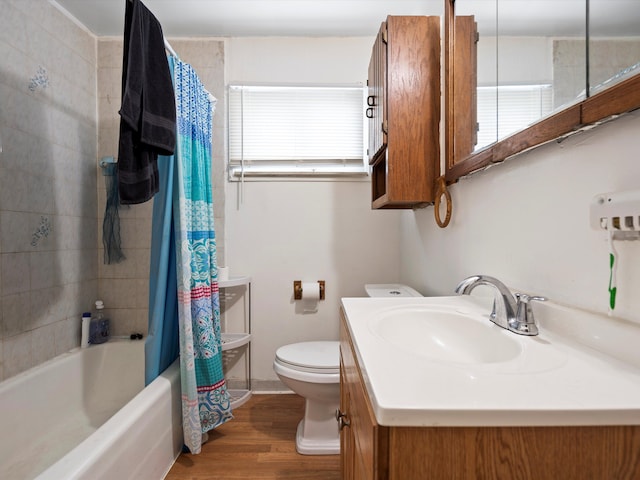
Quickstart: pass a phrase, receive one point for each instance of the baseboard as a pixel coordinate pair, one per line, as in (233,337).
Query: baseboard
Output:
(268,386)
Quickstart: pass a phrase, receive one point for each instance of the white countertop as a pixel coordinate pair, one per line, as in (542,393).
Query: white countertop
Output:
(555,381)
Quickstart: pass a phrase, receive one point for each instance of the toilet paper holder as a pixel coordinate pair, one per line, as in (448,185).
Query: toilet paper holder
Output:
(297,289)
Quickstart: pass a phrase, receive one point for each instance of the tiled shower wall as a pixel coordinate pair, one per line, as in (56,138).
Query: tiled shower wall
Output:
(124,287)
(48,224)
(54,75)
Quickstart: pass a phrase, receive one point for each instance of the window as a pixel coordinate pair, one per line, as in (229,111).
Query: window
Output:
(296,131)
(506,109)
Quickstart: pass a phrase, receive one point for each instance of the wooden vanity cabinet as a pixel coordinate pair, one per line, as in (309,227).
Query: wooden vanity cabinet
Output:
(374,452)
(403,111)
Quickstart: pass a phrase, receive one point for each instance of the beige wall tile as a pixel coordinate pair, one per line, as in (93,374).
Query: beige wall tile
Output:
(48,195)
(16,354)
(16,311)
(42,348)
(15,273)
(66,334)
(110,54)
(2,376)
(125,293)
(135,265)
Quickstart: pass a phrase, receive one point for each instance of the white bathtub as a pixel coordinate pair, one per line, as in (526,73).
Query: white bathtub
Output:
(87,415)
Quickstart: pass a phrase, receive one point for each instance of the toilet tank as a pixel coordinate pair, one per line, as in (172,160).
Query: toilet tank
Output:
(390,290)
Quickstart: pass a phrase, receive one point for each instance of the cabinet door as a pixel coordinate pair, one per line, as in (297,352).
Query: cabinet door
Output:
(365,446)
(346,435)
(364,434)
(376,99)
(464,132)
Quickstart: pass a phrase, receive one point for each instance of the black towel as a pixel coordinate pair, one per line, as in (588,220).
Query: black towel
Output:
(148,111)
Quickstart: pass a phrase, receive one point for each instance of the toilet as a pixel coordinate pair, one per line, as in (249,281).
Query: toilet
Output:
(312,370)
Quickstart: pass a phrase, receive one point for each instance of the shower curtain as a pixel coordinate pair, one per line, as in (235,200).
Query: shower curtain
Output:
(205,400)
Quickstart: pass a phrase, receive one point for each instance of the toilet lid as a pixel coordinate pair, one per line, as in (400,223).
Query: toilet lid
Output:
(319,356)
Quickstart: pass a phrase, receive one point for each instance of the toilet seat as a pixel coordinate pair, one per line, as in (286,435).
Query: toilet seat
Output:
(311,357)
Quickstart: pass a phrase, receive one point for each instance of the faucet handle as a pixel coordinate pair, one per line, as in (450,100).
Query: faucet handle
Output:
(525,323)
(524,298)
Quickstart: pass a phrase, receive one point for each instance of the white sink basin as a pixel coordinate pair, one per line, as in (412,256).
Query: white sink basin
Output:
(445,335)
(439,361)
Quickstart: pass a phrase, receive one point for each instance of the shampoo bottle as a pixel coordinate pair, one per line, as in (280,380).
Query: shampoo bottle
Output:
(86,321)
(99,327)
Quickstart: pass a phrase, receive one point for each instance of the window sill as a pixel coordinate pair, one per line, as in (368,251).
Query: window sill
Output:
(319,175)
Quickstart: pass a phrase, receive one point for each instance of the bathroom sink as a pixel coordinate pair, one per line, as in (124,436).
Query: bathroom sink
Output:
(440,361)
(445,334)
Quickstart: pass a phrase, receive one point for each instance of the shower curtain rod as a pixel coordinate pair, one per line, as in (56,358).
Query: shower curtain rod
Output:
(170,49)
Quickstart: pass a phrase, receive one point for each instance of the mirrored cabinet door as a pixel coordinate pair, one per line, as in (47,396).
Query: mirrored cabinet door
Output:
(614,42)
(520,73)
(541,47)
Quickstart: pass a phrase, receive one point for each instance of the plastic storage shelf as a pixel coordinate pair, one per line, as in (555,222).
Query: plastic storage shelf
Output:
(234,281)
(238,397)
(232,341)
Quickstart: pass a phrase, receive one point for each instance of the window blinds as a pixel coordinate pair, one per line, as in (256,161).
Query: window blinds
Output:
(296,130)
(506,109)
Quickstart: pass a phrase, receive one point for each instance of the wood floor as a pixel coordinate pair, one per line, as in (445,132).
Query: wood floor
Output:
(258,444)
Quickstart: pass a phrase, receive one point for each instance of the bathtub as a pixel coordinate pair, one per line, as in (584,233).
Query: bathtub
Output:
(87,415)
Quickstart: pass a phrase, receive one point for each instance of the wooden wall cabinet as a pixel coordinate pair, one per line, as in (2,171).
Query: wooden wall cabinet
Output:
(404,112)
(374,452)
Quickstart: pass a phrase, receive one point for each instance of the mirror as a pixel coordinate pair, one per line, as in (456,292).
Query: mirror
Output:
(614,42)
(530,75)
(541,60)
(476,30)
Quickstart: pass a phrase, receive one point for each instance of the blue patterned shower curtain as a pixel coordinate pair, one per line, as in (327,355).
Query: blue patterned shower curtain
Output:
(205,400)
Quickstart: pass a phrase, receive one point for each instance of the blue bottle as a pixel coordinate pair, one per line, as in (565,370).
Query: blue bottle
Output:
(99,327)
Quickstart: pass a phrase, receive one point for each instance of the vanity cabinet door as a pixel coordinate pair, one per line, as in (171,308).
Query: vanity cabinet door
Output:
(363,444)
(346,434)
(369,452)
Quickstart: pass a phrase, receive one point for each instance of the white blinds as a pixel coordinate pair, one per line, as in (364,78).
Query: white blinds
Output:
(291,130)
(506,109)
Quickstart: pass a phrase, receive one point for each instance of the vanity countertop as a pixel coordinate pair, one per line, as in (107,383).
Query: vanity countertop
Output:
(558,378)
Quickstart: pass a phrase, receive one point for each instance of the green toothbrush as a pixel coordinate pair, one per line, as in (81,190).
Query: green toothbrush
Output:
(612,272)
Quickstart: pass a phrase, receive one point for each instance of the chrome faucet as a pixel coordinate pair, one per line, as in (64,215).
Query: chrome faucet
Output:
(509,312)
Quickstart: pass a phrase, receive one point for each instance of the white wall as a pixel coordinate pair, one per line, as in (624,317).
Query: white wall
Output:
(522,60)
(298,59)
(526,222)
(303,230)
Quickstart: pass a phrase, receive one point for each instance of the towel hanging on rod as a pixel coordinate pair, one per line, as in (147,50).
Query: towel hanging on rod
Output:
(148,112)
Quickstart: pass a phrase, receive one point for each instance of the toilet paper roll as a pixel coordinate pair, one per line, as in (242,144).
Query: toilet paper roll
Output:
(310,296)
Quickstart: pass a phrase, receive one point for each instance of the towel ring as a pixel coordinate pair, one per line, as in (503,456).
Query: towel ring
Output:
(441,189)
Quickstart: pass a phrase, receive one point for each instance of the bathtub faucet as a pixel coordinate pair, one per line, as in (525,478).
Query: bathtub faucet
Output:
(509,312)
